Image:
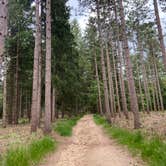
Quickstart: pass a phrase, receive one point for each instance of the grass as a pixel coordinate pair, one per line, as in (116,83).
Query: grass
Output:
(30,154)
(23,121)
(153,150)
(64,127)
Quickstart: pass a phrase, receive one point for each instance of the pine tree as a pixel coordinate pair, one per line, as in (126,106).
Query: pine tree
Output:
(3,34)
(131,84)
(47,123)
(161,38)
(34,110)
(106,95)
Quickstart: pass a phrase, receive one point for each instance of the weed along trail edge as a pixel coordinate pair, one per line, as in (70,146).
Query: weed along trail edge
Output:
(89,146)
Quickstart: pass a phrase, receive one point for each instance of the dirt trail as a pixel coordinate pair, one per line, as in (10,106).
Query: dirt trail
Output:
(89,146)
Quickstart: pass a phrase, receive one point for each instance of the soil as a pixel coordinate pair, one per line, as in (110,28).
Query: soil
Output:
(89,146)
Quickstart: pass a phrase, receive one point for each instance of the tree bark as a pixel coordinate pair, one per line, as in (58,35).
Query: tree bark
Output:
(47,124)
(122,83)
(34,107)
(140,48)
(39,74)
(161,38)
(116,83)
(4,118)
(3,34)
(158,85)
(3,28)
(119,59)
(152,71)
(106,96)
(16,88)
(131,84)
(151,81)
(98,87)
(10,91)
(154,100)
(20,104)
(110,82)
(140,88)
(56,109)
(53,105)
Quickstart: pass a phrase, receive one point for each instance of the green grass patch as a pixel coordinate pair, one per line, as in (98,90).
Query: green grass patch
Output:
(30,154)
(153,150)
(64,127)
(23,121)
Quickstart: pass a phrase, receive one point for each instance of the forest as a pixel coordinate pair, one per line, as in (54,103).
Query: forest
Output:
(93,96)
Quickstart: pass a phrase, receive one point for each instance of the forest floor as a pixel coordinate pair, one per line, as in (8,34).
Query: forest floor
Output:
(16,135)
(153,124)
(89,146)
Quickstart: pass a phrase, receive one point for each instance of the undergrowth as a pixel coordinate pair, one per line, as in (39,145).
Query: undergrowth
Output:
(153,150)
(64,127)
(30,154)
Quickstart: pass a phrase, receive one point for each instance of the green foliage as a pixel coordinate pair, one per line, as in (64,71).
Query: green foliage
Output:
(65,58)
(64,127)
(18,156)
(31,154)
(152,150)
(23,121)
(19,51)
(38,149)
(99,119)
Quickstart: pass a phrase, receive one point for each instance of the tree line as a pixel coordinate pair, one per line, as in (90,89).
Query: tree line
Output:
(50,68)
(129,44)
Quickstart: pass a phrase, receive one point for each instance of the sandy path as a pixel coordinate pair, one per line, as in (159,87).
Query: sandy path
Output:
(89,146)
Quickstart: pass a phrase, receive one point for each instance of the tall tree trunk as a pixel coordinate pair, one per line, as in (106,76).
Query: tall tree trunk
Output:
(34,107)
(4,119)
(161,38)
(29,107)
(119,59)
(47,124)
(122,84)
(20,104)
(153,90)
(56,109)
(53,104)
(158,85)
(16,88)
(110,81)
(140,49)
(116,83)
(152,71)
(10,91)
(26,103)
(152,82)
(131,84)
(98,87)
(39,75)
(140,88)
(106,95)
(3,28)
(3,34)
